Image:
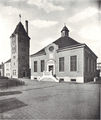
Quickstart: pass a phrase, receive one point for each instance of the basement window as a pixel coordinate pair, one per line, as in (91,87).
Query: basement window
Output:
(73,80)
(35,78)
(61,80)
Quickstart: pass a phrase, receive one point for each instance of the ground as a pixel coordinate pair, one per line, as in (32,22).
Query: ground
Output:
(49,100)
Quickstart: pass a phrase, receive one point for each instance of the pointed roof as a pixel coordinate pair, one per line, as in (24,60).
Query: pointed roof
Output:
(65,29)
(20,30)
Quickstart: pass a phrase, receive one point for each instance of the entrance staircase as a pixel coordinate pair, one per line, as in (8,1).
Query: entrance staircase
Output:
(48,76)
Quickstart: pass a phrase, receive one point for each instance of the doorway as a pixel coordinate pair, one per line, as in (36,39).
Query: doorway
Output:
(51,68)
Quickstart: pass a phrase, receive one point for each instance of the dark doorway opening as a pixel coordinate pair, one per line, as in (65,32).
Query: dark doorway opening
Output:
(51,68)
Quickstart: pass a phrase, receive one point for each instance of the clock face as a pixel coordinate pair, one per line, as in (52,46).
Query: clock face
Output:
(51,48)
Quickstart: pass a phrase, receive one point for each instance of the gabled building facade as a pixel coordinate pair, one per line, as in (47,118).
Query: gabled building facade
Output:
(64,60)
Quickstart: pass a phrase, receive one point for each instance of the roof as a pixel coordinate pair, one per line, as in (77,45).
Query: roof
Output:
(65,29)
(20,29)
(61,42)
(65,41)
(8,61)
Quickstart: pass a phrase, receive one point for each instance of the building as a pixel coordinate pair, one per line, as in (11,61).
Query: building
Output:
(1,69)
(7,68)
(64,60)
(99,68)
(20,44)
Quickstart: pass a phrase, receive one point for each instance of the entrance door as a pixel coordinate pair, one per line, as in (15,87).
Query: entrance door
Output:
(51,68)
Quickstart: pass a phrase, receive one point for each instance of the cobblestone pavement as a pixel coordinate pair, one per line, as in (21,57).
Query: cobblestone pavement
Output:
(49,100)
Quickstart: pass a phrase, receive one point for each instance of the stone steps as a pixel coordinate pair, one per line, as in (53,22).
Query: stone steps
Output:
(49,78)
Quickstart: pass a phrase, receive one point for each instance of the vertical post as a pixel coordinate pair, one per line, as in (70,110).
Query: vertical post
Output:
(20,17)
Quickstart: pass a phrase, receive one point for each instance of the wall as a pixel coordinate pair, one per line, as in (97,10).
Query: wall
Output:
(90,69)
(38,59)
(23,56)
(14,56)
(21,61)
(7,69)
(67,74)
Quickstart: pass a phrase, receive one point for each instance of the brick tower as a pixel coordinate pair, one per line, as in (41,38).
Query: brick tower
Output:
(20,44)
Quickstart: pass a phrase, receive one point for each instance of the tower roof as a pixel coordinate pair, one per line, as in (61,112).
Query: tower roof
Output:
(20,30)
(65,29)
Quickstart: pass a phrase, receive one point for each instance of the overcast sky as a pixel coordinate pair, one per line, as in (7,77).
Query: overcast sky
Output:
(46,19)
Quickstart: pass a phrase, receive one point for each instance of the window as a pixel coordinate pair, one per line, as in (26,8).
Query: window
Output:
(61,64)
(14,57)
(73,63)
(73,80)
(87,64)
(94,65)
(42,65)
(35,66)
(14,72)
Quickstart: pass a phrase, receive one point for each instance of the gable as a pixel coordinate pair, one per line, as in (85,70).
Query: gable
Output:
(61,43)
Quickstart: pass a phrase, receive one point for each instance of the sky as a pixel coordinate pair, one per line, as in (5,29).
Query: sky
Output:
(46,20)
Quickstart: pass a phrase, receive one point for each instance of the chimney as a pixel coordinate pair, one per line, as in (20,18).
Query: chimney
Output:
(26,24)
